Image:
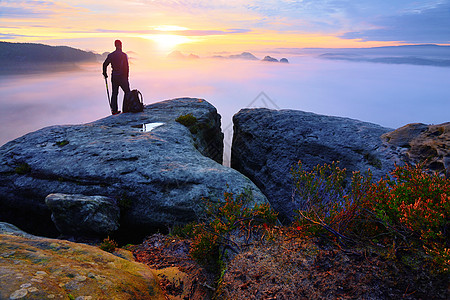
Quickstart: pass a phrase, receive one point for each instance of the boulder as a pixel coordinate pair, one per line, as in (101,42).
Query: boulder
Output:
(416,143)
(159,177)
(40,268)
(284,60)
(83,215)
(268,143)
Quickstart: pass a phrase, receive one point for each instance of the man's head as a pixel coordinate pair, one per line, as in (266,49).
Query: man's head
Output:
(118,44)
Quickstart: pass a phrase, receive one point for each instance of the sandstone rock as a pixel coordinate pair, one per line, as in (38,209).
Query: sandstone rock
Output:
(83,215)
(416,143)
(40,268)
(6,228)
(267,143)
(159,178)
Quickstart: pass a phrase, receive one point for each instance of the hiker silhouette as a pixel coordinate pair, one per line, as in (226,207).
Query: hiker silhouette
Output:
(120,73)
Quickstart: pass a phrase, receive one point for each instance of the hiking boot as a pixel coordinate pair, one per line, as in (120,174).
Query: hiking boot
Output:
(116,112)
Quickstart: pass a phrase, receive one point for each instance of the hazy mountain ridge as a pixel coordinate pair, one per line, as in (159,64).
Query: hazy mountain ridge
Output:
(401,50)
(30,57)
(242,56)
(404,60)
(29,52)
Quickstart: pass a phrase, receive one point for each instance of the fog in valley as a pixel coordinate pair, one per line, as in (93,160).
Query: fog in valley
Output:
(391,95)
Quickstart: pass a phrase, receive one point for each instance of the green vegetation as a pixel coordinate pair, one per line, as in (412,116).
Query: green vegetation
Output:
(408,211)
(211,237)
(187,120)
(23,168)
(323,199)
(415,207)
(62,143)
(190,122)
(392,234)
(373,161)
(108,245)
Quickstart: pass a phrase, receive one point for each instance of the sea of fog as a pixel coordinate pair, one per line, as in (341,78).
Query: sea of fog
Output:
(386,94)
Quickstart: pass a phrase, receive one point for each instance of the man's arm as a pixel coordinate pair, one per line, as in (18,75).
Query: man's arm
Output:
(105,65)
(127,70)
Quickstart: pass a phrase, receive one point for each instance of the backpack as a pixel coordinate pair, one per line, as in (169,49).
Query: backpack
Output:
(133,102)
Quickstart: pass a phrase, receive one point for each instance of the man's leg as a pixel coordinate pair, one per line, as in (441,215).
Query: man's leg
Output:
(115,93)
(125,85)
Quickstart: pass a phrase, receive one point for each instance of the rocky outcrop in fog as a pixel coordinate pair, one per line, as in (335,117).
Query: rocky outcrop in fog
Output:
(158,178)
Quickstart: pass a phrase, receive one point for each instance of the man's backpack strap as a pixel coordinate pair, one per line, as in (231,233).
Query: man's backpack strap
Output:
(140,97)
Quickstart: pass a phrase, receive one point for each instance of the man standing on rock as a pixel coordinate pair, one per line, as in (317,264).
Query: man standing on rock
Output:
(120,73)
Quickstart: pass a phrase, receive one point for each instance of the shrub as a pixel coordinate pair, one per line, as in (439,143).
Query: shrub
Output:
(61,143)
(416,203)
(184,231)
(324,202)
(187,120)
(108,245)
(409,209)
(222,218)
(23,169)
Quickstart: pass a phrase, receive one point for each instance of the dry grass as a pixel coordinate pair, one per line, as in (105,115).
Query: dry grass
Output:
(291,267)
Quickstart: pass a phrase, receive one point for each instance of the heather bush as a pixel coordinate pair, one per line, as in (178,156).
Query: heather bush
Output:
(417,205)
(108,245)
(223,217)
(409,210)
(325,202)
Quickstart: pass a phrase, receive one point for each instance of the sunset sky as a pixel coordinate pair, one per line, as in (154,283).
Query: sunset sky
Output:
(213,26)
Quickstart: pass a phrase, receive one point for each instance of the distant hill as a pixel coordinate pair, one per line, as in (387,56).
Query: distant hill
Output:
(403,60)
(429,50)
(242,56)
(424,54)
(24,57)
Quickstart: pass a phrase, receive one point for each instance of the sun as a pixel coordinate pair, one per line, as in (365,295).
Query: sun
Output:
(166,37)
(168,42)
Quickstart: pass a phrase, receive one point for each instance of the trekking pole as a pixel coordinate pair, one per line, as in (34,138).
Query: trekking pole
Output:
(107,91)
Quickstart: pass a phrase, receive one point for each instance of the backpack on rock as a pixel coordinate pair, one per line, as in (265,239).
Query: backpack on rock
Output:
(133,102)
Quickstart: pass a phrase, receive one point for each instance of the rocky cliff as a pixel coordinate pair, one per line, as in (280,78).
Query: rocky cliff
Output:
(158,178)
(267,143)
(421,143)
